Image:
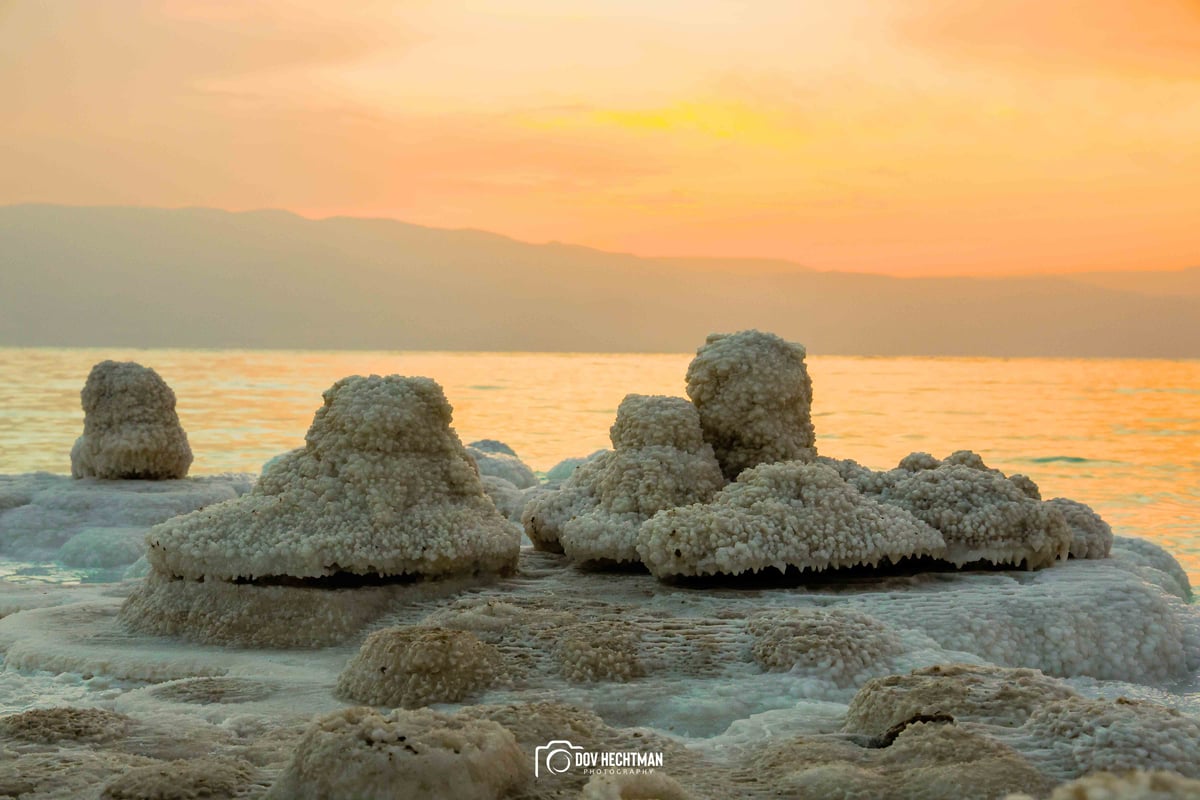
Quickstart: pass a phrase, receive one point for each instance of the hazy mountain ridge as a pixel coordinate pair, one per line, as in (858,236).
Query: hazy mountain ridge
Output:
(116,276)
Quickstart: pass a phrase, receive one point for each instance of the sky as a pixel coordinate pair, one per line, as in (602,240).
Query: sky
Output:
(925,137)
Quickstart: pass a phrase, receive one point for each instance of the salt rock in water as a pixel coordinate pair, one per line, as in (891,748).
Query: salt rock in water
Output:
(414,666)
(182,779)
(966,692)
(383,487)
(130,428)
(783,515)
(498,460)
(983,516)
(754,397)
(368,755)
(1152,563)
(65,724)
(842,644)
(660,460)
(1091,536)
(545,514)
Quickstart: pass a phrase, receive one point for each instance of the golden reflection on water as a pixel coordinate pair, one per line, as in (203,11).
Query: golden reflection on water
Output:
(1120,435)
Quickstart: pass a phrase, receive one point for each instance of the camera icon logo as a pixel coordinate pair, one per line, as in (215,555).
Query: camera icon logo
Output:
(555,757)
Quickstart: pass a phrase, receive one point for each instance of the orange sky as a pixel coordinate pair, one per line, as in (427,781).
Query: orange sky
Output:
(915,138)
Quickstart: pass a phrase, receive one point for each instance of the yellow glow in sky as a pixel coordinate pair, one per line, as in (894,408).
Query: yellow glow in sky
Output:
(917,138)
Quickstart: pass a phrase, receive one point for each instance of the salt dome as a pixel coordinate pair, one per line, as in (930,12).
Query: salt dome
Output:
(130,428)
(383,487)
(755,399)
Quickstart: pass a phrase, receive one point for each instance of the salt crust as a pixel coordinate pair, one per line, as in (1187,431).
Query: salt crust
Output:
(183,779)
(651,786)
(754,397)
(1136,785)
(967,692)
(130,428)
(97,523)
(790,514)
(842,644)
(365,754)
(64,724)
(414,666)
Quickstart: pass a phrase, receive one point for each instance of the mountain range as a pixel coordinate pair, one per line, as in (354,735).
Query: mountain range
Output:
(205,278)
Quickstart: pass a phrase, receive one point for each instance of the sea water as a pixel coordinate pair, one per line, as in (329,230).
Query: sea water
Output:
(1121,435)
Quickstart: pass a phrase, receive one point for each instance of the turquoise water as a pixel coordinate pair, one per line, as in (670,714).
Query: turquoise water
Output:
(1120,435)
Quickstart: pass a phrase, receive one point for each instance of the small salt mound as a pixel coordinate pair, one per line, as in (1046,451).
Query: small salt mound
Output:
(384,487)
(130,428)
(754,397)
(599,651)
(563,469)
(183,779)
(368,755)
(414,666)
(843,645)
(53,725)
(660,460)
(1076,736)
(1137,785)
(496,459)
(62,774)
(1152,563)
(983,516)
(925,761)
(650,786)
(545,514)
(778,516)
(966,692)
(1091,536)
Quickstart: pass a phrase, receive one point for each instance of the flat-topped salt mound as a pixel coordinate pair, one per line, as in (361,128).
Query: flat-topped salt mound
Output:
(790,514)
(130,428)
(660,460)
(383,487)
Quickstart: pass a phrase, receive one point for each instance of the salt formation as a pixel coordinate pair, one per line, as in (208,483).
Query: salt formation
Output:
(587,653)
(1076,736)
(841,644)
(1152,563)
(65,724)
(1136,785)
(783,515)
(130,428)
(94,523)
(650,786)
(966,692)
(182,779)
(368,755)
(1091,536)
(983,516)
(925,761)
(660,460)
(383,488)
(754,397)
(498,460)
(414,666)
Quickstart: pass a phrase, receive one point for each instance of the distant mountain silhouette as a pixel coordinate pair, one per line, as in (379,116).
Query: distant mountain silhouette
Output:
(115,276)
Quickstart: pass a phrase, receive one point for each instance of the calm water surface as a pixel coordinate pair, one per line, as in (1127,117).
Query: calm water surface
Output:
(1120,435)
